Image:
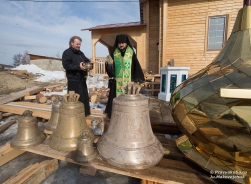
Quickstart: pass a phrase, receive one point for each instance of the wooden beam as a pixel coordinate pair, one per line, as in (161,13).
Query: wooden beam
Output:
(88,169)
(6,126)
(32,97)
(45,150)
(51,87)
(178,171)
(150,182)
(34,91)
(35,173)
(4,115)
(164,31)
(8,153)
(19,108)
(20,94)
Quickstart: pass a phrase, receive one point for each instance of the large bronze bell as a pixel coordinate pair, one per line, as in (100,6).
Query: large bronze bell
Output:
(129,141)
(28,134)
(85,151)
(53,121)
(71,122)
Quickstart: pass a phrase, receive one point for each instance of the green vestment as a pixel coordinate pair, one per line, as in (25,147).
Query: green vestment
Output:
(122,68)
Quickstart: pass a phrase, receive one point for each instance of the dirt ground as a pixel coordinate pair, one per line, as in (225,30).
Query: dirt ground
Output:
(13,81)
(67,172)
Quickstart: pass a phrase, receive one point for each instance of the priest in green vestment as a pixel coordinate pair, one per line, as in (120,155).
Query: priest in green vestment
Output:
(125,68)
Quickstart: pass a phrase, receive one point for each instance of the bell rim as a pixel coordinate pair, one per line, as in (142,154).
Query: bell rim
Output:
(159,153)
(14,143)
(131,166)
(85,159)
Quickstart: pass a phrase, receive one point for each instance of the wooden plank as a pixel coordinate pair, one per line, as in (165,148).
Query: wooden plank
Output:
(17,179)
(35,173)
(51,87)
(45,150)
(88,169)
(31,104)
(15,109)
(33,97)
(34,91)
(178,171)
(97,111)
(8,153)
(6,126)
(149,182)
(20,94)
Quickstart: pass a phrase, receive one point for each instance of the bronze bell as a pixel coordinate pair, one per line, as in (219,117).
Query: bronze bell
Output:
(53,121)
(28,134)
(85,151)
(71,122)
(129,141)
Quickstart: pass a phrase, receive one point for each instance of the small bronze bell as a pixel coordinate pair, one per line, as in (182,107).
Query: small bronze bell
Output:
(53,121)
(129,141)
(85,151)
(71,122)
(28,134)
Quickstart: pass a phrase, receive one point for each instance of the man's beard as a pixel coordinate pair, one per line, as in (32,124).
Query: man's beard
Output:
(122,50)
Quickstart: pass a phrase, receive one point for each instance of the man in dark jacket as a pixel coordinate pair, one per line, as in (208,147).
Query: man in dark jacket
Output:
(73,60)
(125,68)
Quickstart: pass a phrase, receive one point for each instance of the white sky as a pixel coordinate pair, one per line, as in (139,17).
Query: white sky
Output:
(44,28)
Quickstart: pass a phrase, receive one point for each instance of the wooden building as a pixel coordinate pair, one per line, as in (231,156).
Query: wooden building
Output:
(190,32)
(46,63)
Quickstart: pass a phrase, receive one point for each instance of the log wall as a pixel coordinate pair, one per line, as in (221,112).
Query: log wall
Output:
(186,30)
(153,24)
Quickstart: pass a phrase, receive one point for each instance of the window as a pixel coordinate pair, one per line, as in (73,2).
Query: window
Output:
(216,32)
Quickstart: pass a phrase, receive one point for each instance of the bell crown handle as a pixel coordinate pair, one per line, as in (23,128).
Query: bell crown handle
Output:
(76,97)
(84,133)
(27,113)
(71,97)
(132,88)
(123,88)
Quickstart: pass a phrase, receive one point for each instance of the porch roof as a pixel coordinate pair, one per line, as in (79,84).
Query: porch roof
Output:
(118,25)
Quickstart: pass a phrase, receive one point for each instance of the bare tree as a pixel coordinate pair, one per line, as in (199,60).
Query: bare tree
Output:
(58,55)
(26,58)
(17,59)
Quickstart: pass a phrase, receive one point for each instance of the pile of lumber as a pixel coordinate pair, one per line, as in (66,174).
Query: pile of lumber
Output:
(99,95)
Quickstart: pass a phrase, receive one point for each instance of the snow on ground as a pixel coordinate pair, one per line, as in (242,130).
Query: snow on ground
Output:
(96,81)
(46,76)
(57,76)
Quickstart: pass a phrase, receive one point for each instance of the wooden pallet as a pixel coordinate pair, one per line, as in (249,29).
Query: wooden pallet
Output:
(173,168)
(35,173)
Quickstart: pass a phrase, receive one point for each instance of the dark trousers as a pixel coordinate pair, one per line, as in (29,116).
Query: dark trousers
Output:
(81,89)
